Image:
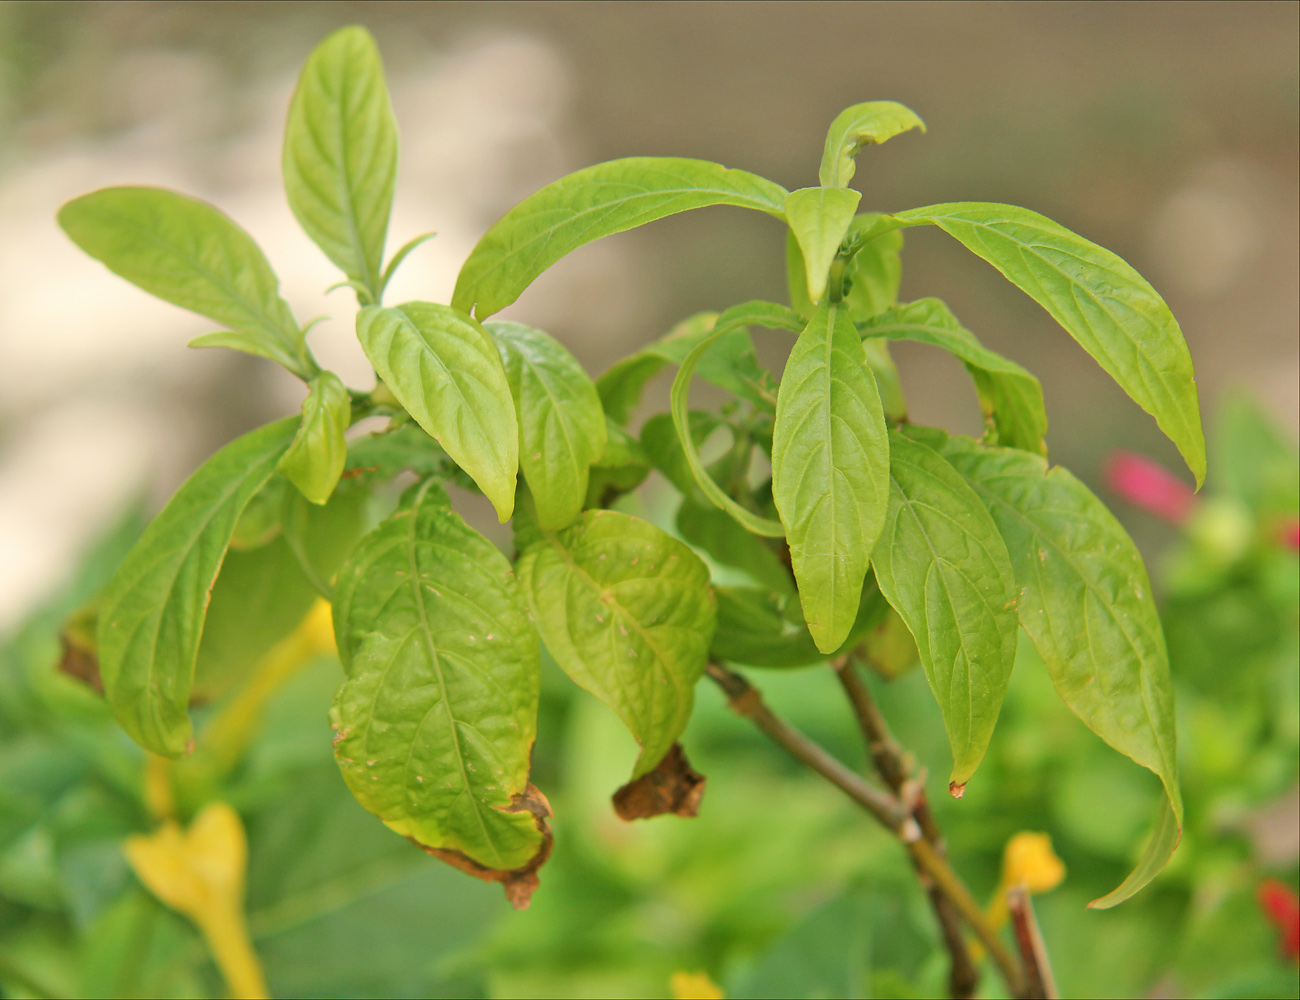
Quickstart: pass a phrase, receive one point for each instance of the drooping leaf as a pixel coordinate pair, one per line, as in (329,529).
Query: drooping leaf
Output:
(561,424)
(750,313)
(1086,602)
(191,255)
(830,470)
(944,567)
(1011,398)
(627,612)
(151,617)
(819,218)
(597,201)
(444,369)
(340,154)
(315,459)
(436,720)
(664,450)
(730,364)
(858,126)
(1110,309)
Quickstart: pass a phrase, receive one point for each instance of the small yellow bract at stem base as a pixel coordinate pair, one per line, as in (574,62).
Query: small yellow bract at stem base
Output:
(200,873)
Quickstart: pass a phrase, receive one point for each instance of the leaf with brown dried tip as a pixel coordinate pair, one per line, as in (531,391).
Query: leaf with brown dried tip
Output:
(519,883)
(672,787)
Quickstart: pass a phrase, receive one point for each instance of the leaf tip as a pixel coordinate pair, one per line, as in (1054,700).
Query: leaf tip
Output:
(957,789)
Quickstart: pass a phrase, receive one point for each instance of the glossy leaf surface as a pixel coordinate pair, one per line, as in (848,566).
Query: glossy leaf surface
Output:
(315,459)
(819,218)
(1110,309)
(858,126)
(627,612)
(340,154)
(1085,601)
(152,614)
(1011,398)
(445,370)
(597,201)
(561,424)
(830,470)
(750,313)
(943,566)
(436,720)
(192,255)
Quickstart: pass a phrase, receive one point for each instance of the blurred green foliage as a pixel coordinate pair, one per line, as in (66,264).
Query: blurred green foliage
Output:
(779,889)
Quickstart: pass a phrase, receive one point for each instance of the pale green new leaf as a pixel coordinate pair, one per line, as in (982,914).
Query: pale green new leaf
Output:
(830,470)
(750,313)
(1011,398)
(819,218)
(627,612)
(340,154)
(445,370)
(944,567)
(436,720)
(152,614)
(1086,602)
(561,424)
(871,278)
(1110,309)
(597,201)
(855,127)
(191,255)
(315,459)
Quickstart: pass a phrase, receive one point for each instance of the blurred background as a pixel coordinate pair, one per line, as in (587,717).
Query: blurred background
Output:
(1166,132)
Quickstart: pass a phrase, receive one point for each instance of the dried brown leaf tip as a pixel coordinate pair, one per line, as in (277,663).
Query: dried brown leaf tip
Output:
(672,787)
(519,883)
(80,659)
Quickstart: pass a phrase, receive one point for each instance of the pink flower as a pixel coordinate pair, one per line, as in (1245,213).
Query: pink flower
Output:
(1151,487)
(1282,907)
(1289,534)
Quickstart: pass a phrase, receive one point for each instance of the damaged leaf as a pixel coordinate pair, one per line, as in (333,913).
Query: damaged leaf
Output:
(436,720)
(672,787)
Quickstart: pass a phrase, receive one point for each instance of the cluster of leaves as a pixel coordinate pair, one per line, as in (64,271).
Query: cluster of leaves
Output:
(864,519)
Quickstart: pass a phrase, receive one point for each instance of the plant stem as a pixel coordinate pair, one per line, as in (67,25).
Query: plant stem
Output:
(893,766)
(892,814)
(1039,984)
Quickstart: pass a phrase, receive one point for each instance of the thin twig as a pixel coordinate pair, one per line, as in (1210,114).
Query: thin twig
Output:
(892,764)
(746,701)
(1039,984)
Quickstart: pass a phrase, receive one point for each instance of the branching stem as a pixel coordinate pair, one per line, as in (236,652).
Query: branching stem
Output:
(745,700)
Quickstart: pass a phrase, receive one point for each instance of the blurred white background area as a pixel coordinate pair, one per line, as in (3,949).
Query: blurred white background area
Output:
(1165,132)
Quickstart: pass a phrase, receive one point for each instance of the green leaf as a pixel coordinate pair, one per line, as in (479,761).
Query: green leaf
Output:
(758,627)
(1110,309)
(315,459)
(190,254)
(321,537)
(627,612)
(1011,398)
(717,533)
(858,126)
(1086,602)
(561,424)
(664,450)
(445,370)
(597,201)
(259,598)
(758,313)
(151,617)
(830,470)
(943,566)
(819,218)
(875,270)
(437,717)
(340,154)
